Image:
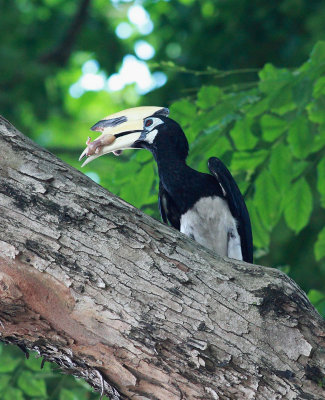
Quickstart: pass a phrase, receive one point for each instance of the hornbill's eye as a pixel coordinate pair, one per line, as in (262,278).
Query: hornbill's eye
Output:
(148,122)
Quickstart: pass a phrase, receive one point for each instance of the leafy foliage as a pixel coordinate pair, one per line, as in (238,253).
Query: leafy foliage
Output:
(22,379)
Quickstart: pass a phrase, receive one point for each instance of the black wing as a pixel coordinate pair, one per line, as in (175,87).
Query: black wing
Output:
(236,205)
(168,209)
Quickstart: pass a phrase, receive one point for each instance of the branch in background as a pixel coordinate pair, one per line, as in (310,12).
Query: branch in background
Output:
(60,55)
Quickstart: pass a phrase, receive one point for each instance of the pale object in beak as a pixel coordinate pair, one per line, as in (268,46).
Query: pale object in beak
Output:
(120,131)
(95,146)
(113,142)
(125,142)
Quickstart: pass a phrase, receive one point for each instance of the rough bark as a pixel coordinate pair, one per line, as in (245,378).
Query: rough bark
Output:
(112,295)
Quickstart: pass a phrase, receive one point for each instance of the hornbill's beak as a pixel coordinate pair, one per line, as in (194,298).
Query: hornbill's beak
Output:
(120,131)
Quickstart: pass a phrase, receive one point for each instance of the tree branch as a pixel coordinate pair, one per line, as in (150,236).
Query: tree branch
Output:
(114,296)
(61,53)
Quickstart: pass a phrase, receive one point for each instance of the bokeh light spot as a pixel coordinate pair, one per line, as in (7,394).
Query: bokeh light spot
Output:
(90,67)
(140,17)
(144,50)
(135,71)
(123,30)
(92,175)
(93,82)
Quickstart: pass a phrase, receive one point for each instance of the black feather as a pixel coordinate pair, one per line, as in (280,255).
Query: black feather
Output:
(168,209)
(236,205)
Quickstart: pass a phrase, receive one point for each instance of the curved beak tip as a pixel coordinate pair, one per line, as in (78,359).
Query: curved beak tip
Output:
(127,125)
(83,154)
(96,147)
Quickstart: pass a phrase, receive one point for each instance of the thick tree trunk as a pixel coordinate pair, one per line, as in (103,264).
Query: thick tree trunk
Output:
(114,296)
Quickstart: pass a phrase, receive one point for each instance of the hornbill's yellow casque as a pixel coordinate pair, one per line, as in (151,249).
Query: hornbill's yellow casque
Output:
(208,208)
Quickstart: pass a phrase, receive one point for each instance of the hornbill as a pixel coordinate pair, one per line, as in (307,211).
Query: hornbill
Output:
(207,207)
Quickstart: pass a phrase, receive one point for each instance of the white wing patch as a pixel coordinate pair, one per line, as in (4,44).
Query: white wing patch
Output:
(222,188)
(210,223)
(234,245)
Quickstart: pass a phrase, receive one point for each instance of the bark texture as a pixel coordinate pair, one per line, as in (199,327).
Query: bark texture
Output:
(126,302)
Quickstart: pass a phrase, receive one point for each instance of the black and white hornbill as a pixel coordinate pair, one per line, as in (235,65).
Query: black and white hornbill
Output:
(207,207)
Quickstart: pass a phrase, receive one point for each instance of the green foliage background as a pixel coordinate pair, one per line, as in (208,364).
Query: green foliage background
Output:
(246,80)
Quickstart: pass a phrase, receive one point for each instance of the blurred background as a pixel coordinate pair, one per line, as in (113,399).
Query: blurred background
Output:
(245,79)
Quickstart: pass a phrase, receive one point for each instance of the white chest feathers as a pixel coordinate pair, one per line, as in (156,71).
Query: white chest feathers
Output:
(210,223)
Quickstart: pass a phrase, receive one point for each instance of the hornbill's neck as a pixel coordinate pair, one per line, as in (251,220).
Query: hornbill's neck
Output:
(185,185)
(173,171)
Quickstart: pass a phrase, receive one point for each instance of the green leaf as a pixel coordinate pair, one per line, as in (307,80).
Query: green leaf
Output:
(280,167)
(302,91)
(281,101)
(83,384)
(124,170)
(317,299)
(196,126)
(13,393)
(31,386)
(267,199)
(319,87)
(272,78)
(319,138)
(277,84)
(242,134)
(66,394)
(258,108)
(320,245)
(222,124)
(137,191)
(299,167)
(218,148)
(321,180)
(208,96)
(300,137)
(142,156)
(248,161)
(298,205)
(4,380)
(261,236)
(245,99)
(34,363)
(243,185)
(8,362)
(223,111)
(317,55)
(316,110)
(183,112)
(315,296)
(272,127)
